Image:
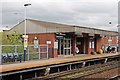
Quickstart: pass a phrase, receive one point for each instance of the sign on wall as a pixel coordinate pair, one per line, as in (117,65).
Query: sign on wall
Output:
(92,44)
(55,44)
(25,43)
(36,43)
(78,43)
(48,42)
(25,40)
(109,41)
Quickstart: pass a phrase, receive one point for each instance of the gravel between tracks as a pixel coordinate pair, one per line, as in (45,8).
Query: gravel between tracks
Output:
(105,74)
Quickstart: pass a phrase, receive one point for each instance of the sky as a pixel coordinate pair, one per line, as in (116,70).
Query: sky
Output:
(87,13)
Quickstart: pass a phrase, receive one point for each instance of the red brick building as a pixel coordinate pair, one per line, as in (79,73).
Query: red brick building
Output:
(63,38)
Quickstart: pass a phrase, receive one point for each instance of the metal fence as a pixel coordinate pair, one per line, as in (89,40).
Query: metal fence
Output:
(14,53)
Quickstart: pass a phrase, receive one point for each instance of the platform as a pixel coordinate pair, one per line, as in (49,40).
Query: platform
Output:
(52,61)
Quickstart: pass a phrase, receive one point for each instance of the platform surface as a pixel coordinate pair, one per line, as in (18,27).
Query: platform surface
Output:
(38,63)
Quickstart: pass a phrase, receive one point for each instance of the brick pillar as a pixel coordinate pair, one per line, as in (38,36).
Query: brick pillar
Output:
(74,45)
(55,52)
(87,45)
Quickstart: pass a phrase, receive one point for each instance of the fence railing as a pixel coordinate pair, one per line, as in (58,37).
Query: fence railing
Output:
(13,53)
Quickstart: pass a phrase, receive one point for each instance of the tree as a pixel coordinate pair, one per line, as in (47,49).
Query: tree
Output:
(12,39)
(0,38)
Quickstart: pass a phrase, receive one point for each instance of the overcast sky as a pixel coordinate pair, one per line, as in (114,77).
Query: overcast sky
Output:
(87,13)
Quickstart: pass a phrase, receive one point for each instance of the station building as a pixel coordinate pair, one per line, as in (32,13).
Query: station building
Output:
(62,39)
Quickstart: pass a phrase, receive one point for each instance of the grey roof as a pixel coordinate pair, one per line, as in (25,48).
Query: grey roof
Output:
(36,26)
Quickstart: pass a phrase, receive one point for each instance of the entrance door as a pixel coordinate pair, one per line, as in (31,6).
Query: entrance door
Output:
(67,46)
(60,46)
(64,46)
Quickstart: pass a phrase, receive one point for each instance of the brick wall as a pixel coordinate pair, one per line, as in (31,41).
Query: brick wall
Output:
(103,41)
(51,37)
(42,40)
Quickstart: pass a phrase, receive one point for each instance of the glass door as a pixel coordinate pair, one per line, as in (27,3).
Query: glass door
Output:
(64,46)
(60,47)
(67,47)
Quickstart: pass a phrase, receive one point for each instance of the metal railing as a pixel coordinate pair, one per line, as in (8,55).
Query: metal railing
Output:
(13,53)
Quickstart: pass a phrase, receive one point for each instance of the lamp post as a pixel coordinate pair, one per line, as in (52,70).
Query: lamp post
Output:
(25,36)
(25,15)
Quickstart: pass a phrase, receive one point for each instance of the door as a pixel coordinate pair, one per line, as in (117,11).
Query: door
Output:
(67,47)
(64,46)
(60,47)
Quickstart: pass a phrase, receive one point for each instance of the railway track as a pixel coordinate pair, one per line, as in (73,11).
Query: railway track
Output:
(109,74)
(81,72)
(115,77)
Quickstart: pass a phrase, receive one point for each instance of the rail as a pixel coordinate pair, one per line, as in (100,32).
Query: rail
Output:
(64,68)
(14,53)
(81,72)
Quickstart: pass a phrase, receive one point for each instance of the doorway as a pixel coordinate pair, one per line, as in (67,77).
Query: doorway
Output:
(81,43)
(64,46)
